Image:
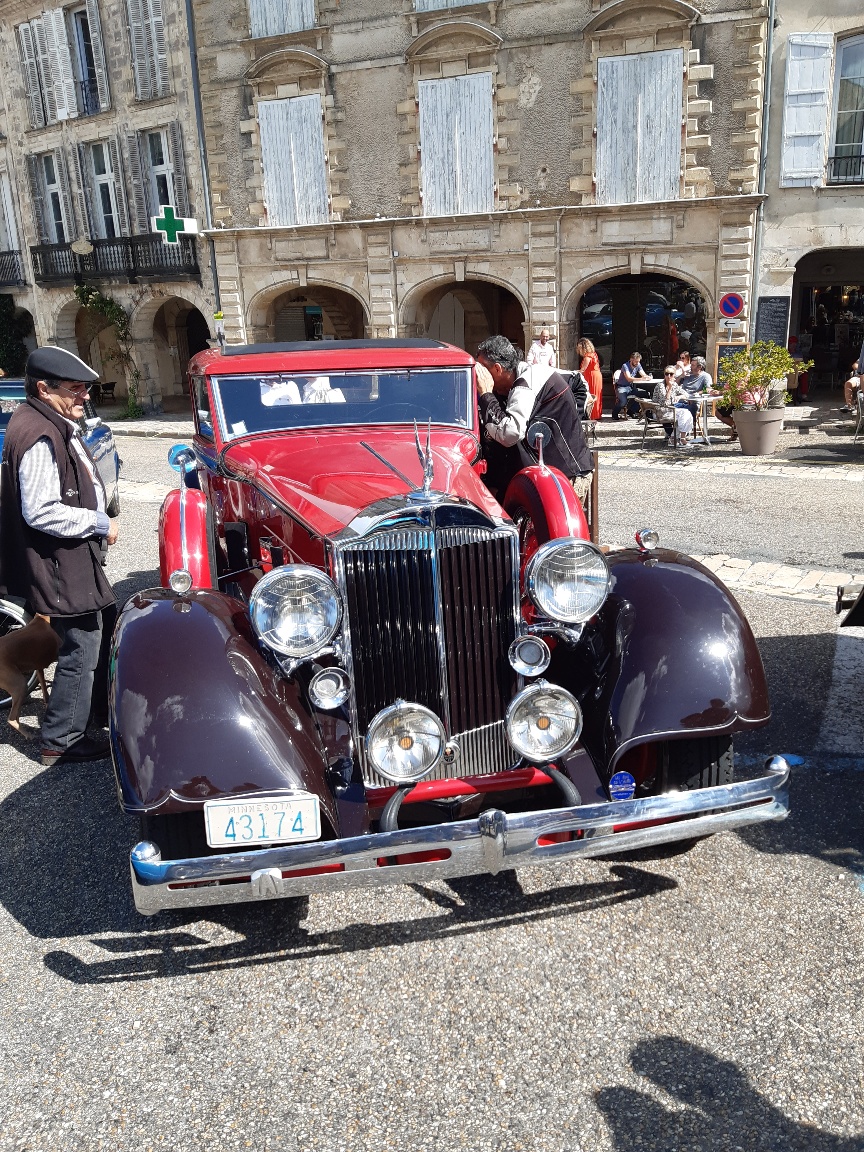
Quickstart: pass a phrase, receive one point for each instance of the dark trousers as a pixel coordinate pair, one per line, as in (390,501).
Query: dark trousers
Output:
(80,690)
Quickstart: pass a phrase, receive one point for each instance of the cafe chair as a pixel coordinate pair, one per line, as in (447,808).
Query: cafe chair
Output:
(589,426)
(649,412)
(859,402)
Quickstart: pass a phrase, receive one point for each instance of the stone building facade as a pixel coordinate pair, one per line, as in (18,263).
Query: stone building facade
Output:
(481,166)
(100,135)
(811,243)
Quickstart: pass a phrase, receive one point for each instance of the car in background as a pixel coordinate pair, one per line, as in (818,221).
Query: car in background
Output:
(96,435)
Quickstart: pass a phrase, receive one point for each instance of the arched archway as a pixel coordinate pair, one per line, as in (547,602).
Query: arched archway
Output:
(826,319)
(315,312)
(465,312)
(655,314)
(179,331)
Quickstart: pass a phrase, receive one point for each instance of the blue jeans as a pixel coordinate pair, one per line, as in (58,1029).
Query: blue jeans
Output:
(623,391)
(80,678)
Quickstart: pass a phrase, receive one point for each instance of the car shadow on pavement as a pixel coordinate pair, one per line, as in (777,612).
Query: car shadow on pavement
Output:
(272,933)
(712,1104)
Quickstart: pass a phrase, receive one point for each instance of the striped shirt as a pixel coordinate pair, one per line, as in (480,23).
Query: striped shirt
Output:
(41,500)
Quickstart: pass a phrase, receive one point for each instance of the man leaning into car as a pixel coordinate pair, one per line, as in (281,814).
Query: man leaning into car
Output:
(53,531)
(510,395)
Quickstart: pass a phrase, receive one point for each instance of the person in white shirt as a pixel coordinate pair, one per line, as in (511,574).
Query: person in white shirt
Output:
(541,351)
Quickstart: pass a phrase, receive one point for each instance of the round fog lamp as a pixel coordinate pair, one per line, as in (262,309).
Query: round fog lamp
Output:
(329,688)
(529,655)
(180,581)
(543,722)
(405,742)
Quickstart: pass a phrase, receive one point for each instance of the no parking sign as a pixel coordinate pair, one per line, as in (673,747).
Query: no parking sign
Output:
(731,305)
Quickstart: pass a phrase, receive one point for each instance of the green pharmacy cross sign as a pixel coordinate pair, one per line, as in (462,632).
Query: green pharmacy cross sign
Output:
(172,226)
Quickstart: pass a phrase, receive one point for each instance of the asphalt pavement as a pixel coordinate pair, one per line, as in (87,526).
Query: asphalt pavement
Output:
(705,1000)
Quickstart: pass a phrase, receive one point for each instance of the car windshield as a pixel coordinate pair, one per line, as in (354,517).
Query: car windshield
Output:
(281,400)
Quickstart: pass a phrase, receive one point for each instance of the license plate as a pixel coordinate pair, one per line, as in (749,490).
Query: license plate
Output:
(253,823)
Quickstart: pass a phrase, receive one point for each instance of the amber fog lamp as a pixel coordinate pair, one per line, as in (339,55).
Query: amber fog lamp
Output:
(568,580)
(295,610)
(647,539)
(543,722)
(405,742)
(180,581)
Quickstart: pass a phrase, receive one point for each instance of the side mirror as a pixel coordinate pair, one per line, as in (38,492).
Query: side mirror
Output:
(538,436)
(181,458)
(92,422)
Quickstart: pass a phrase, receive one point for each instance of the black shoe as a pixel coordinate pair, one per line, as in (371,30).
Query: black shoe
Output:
(83,750)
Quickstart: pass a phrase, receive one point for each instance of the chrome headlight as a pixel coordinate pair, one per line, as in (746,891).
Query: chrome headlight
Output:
(543,722)
(568,580)
(405,742)
(295,610)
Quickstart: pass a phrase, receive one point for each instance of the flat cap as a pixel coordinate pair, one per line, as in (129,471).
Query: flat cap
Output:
(57,364)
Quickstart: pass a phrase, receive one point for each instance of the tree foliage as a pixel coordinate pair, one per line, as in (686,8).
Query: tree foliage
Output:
(750,376)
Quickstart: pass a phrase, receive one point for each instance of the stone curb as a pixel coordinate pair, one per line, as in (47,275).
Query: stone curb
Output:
(849,474)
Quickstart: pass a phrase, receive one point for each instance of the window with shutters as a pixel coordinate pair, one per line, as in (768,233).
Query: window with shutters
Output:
(161,172)
(58,218)
(846,163)
(106,214)
(457,162)
(639,113)
(809,59)
(149,49)
(434,5)
(278,17)
(63,64)
(157,172)
(8,230)
(293,160)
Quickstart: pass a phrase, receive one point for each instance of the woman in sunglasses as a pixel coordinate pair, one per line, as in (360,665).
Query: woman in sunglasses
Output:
(665,397)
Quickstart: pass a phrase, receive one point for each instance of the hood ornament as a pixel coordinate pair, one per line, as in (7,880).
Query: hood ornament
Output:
(427,463)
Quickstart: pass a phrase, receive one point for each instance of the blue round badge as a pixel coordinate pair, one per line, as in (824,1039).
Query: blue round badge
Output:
(622,786)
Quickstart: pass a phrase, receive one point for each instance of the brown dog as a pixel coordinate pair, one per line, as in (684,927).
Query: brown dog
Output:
(22,652)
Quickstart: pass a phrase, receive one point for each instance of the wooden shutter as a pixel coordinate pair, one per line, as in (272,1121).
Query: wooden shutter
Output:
(809,59)
(158,49)
(276,17)
(95,25)
(57,41)
(140,53)
(434,5)
(178,163)
(84,188)
(7,208)
(37,195)
(456,144)
(30,67)
(46,70)
(293,160)
(116,154)
(140,183)
(69,222)
(639,112)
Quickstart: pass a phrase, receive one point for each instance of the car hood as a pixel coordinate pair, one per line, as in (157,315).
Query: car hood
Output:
(327,478)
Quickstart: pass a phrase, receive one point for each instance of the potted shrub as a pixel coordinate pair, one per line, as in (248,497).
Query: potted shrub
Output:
(754,385)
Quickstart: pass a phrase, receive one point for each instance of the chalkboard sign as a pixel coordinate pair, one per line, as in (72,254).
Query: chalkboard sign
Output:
(724,350)
(772,319)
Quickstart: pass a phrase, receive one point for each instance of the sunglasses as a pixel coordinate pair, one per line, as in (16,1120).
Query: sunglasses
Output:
(668,374)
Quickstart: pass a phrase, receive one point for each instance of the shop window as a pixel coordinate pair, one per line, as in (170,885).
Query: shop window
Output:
(846,163)
(278,17)
(293,161)
(805,109)
(456,144)
(639,108)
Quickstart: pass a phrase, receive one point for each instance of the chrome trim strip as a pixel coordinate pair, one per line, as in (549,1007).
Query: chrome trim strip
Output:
(184,547)
(490,843)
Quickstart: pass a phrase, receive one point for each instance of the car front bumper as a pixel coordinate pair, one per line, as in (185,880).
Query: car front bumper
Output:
(490,843)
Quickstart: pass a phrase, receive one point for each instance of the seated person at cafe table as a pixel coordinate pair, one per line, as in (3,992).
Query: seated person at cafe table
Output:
(665,396)
(696,382)
(850,387)
(631,371)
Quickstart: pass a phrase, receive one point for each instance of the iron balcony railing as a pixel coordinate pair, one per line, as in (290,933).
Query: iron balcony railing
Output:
(88,97)
(129,258)
(846,169)
(11,269)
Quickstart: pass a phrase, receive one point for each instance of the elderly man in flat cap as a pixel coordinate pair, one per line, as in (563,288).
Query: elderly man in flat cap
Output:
(53,529)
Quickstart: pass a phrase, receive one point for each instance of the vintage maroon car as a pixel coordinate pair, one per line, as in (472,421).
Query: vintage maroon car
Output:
(361,669)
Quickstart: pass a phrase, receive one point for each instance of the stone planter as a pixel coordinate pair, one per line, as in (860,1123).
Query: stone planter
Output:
(758,429)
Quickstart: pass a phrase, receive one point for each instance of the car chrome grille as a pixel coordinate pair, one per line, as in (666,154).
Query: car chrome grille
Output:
(431,613)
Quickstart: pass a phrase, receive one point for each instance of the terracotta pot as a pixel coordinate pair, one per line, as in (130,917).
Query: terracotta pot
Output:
(758,429)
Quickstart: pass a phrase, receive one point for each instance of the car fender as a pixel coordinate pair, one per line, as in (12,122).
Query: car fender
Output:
(670,654)
(198,712)
(547,496)
(186,537)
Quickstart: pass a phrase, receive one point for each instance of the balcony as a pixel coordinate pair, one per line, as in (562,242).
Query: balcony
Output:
(846,169)
(88,97)
(11,269)
(130,258)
